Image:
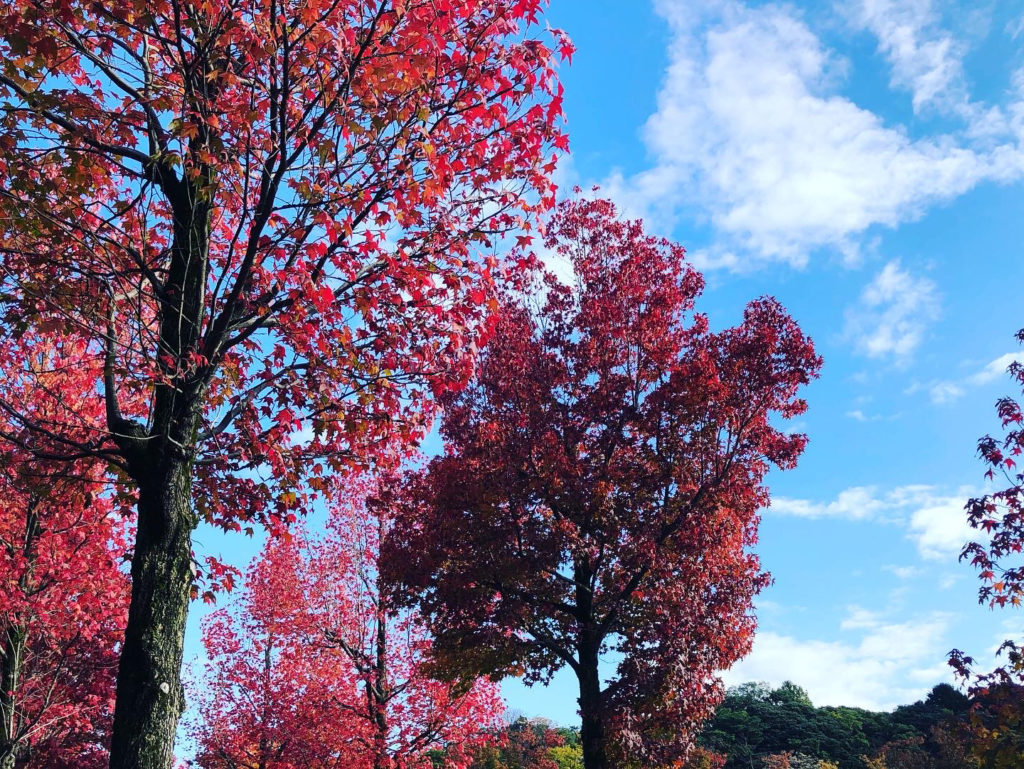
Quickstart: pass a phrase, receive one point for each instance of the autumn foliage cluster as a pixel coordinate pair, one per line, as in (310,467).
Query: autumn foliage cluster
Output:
(255,220)
(599,491)
(604,473)
(248,248)
(312,668)
(63,591)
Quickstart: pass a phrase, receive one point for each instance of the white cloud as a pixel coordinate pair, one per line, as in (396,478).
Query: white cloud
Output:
(856,503)
(889,664)
(904,572)
(925,59)
(1015,27)
(860,617)
(860,416)
(892,314)
(750,130)
(934,520)
(996,368)
(939,526)
(714,259)
(947,391)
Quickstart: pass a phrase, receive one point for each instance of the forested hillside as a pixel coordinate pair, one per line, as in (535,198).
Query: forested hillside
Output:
(758,727)
(755,722)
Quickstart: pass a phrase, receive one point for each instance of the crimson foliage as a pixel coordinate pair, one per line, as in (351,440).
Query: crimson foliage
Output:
(63,595)
(600,488)
(312,668)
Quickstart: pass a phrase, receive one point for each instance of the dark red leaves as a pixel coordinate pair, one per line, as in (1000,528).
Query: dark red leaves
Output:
(601,482)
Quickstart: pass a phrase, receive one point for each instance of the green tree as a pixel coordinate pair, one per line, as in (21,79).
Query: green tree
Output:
(790,694)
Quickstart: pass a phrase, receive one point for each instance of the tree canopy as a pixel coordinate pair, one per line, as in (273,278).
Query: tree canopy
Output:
(262,219)
(604,472)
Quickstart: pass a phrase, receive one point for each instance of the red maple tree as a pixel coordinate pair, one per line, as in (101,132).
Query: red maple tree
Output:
(314,669)
(272,694)
(63,598)
(999,517)
(267,220)
(600,488)
(406,712)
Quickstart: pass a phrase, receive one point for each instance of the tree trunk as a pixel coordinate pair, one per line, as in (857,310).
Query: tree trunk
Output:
(592,736)
(150,698)
(381,759)
(10,673)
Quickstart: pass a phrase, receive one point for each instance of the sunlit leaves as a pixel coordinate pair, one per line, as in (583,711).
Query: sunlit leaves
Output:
(341,170)
(312,669)
(63,588)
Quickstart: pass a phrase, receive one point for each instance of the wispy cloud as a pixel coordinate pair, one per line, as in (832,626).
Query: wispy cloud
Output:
(995,369)
(943,391)
(893,312)
(926,59)
(860,416)
(904,572)
(1015,27)
(856,503)
(933,519)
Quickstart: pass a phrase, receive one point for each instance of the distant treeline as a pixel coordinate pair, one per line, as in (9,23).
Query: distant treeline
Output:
(756,722)
(758,727)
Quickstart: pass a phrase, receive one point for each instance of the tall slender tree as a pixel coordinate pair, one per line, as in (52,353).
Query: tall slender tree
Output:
(407,712)
(600,487)
(264,217)
(273,694)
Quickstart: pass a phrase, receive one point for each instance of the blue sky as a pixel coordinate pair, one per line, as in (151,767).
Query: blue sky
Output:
(863,161)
